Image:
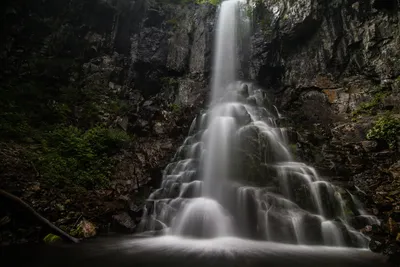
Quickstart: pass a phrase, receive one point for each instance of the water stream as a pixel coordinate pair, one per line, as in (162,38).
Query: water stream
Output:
(235,175)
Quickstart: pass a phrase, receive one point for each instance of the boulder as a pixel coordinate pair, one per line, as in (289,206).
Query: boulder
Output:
(122,222)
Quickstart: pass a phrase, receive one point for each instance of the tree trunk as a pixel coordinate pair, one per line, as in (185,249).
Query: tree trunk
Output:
(54,229)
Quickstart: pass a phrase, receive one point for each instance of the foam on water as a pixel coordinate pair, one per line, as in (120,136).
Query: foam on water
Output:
(202,217)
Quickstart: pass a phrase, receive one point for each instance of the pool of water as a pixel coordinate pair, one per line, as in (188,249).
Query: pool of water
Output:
(172,251)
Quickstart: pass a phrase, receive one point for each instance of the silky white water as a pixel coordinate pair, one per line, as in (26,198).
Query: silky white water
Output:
(235,175)
(225,62)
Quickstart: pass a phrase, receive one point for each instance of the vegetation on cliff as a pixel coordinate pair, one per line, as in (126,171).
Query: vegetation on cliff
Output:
(61,135)
(92,101)
(386,128)
(61,130)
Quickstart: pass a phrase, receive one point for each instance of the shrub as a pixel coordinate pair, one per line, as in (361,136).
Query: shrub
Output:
(367,107)
(386,128)
(71,156)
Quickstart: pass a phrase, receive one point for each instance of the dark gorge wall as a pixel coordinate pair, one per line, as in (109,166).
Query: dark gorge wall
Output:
(126,77)
(70,69)
(334,69)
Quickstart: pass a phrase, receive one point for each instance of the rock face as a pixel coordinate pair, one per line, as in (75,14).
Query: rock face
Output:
(150,57)
(334,68)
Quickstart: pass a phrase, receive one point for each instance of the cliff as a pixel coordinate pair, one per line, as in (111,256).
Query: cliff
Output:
(95,98)
(334,70)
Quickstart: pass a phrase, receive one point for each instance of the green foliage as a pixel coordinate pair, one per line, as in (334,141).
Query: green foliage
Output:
(67,147)
(24,106)
(13,125)
(58,124)
(386,128)
(368,107)
(71,156)
(51,107)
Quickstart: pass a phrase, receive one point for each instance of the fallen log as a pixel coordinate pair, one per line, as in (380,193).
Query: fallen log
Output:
(26,207)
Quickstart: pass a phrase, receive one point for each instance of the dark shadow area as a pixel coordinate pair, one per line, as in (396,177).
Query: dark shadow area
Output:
(171,251)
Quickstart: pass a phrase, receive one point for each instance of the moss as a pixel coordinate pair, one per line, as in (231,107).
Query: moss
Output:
(386,128)
(50,238)
(175,108)
(173,22)
(367,107)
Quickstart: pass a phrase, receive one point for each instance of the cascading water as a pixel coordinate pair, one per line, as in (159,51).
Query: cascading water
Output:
(234,174)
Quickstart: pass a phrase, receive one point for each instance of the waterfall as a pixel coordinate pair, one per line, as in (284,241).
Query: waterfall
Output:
(234,175)
(225,47)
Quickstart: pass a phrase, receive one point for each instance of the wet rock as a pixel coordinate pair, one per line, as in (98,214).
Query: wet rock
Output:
(395,170)
(384,4)
(395,216)
(192,190)
(189,92)
(375,246)
(384,205)
(392,227)
(351,132)
(313,231)
(393,251)
(369,146)
(123,223)
(174,190)
(244,90)
(361,222)
(251,101)
(4,220)
(158,128)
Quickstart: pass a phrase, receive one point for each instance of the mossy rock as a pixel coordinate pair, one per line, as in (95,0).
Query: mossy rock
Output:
(50,238)
(386,128)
